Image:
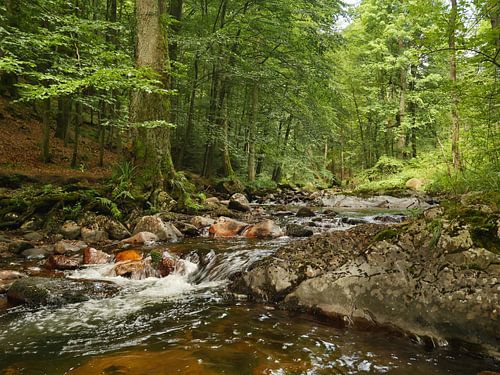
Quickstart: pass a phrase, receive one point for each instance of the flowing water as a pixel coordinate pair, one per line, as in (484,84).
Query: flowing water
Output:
(187,324)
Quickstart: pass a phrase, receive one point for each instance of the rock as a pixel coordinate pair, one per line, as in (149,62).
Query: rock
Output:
(142,238)
(93,256)
(167,264)
(154,224)
(70,230)
(296,230)
(380,201)
(202,221)
(18,246)
(226,227)
(7,278)
(128,255)
(33,236)
(117,230)
(330,212)
(189,230)
(353,220)
(264,229)
(62,262)
(68,246)
(231,186)
(36,291)
(35,253)
(407,277)
(305,212)
(212,201)
(164,201)
(4,239)
(93,234)
(389,218)
(10,275)
(415,183)
(30,225)
(134,269)
(239,202)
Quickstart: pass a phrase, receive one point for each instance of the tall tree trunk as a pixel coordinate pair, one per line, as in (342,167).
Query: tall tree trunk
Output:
(78,122)
(455,120)
(63,116)
(228,168)
(151,144)
(186,143)
(252,129)
(102,132)
(175,12)
(278,169)
(361,131)
(46,130)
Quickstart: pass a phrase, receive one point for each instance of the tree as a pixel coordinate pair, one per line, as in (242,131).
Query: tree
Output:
(149,111)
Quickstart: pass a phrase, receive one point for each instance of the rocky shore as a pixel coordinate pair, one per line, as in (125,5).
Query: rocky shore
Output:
(435,278)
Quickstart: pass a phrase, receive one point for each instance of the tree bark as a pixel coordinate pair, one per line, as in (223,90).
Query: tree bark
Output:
(46,131)
(252,129)
(151,144)
(189,122)
(63,116)
(455,119)
(78,122)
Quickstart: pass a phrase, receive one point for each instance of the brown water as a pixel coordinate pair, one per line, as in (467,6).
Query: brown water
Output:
(187,324)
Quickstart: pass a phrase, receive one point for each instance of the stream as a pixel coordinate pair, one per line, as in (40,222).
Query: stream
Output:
(186,323)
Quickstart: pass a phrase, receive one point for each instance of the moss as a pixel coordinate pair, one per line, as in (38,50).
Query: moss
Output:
(386,234)
(435,227)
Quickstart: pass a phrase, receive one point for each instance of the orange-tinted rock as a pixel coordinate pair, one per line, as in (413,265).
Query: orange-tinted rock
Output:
(134,269)
(264,229)
(93,256)
(62,262)
(226,227)
(142,238)
(128,255)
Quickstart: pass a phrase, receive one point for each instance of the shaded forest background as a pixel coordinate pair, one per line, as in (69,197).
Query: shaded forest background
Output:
(261,92)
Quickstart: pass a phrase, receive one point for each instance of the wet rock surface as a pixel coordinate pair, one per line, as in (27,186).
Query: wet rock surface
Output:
(429,278)
(36,291)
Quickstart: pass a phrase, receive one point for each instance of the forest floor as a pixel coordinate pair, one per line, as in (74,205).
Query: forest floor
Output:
(20,151)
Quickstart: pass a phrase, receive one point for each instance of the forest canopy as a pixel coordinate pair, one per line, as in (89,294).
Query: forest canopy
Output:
(265,92)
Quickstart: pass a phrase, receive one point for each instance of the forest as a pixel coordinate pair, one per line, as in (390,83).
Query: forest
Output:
(299,92)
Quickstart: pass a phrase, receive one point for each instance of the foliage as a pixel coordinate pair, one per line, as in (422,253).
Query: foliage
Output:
(122,181)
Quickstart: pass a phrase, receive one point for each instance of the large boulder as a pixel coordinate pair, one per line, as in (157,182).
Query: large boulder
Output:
(36,253)
(264,229)
(35,291)
(154,224)
(226,227)
(305,212)
(142,238)
(62,262)
(415,183)
(239,202)
(7,278)
(67,246)
(296,230)
(94,233)
(134,269)
(408,277)
(379,201)
(70,230)
(93,256)
(202,221)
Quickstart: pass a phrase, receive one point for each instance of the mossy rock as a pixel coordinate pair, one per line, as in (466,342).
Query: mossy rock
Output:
(386,234)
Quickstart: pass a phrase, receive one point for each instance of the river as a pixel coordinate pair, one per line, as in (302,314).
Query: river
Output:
(187,323)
